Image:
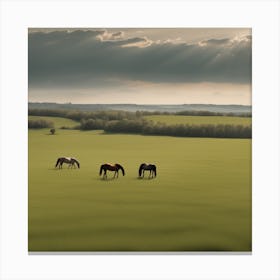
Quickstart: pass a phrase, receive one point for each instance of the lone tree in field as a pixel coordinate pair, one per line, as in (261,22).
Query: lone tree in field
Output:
(52,131)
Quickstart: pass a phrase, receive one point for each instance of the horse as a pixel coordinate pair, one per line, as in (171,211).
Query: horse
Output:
(107,166)
(70,161)
(151,167)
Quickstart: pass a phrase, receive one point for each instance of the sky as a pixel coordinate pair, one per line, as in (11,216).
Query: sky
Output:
(140,66)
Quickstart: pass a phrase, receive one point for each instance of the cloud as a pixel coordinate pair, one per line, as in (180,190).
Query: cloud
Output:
(94,57)
(215,42)
(118,35)
(108,36)
(137,42)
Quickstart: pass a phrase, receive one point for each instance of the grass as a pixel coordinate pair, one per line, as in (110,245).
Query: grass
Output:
(199,120)
(58,122)
(200,200)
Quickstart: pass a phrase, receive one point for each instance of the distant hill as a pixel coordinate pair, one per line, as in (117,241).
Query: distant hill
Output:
(150,108)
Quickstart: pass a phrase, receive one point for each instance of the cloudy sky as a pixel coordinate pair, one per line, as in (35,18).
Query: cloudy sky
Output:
(140,66)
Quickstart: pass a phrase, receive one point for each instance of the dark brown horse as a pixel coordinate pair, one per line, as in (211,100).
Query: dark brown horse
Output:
(150,167)
(107,166)
(68,160)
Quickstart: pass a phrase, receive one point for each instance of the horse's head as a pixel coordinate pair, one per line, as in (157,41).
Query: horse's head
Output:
(101,169)
(121,168)
(155,170)
(140,169)
(57,162)
(73,160)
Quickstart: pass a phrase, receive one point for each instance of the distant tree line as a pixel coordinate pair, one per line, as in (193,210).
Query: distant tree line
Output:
(120,115)
(81,115)
(39,124)
(208,113)
(195,113)
(146,127)
(133,122)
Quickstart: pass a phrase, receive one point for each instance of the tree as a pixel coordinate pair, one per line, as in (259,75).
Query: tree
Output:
(37,124)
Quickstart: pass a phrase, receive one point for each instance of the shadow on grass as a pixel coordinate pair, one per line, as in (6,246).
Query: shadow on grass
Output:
(107,179)
(145,178)
(49,134)
(61,169)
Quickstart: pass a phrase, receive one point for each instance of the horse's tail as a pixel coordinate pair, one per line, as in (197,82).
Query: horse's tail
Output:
(101,168)
(57,162)
(75,161)
(140,169)
(155,170)
(121,168)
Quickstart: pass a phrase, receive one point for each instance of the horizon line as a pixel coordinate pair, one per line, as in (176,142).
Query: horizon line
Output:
(139,104)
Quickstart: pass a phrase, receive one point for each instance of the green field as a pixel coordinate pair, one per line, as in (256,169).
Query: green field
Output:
(200,200)
(199,120)
(58,122)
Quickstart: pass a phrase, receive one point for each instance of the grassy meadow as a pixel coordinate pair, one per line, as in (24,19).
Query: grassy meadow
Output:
(200,200)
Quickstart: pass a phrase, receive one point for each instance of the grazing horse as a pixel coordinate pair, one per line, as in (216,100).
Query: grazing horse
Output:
(107,166)
(70,161)
(151,167)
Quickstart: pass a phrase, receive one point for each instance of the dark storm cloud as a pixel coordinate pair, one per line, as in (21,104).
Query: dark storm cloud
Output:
(90,58)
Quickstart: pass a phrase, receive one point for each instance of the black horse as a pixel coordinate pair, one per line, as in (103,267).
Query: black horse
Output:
(70,161)
(107,166)
(150,167)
